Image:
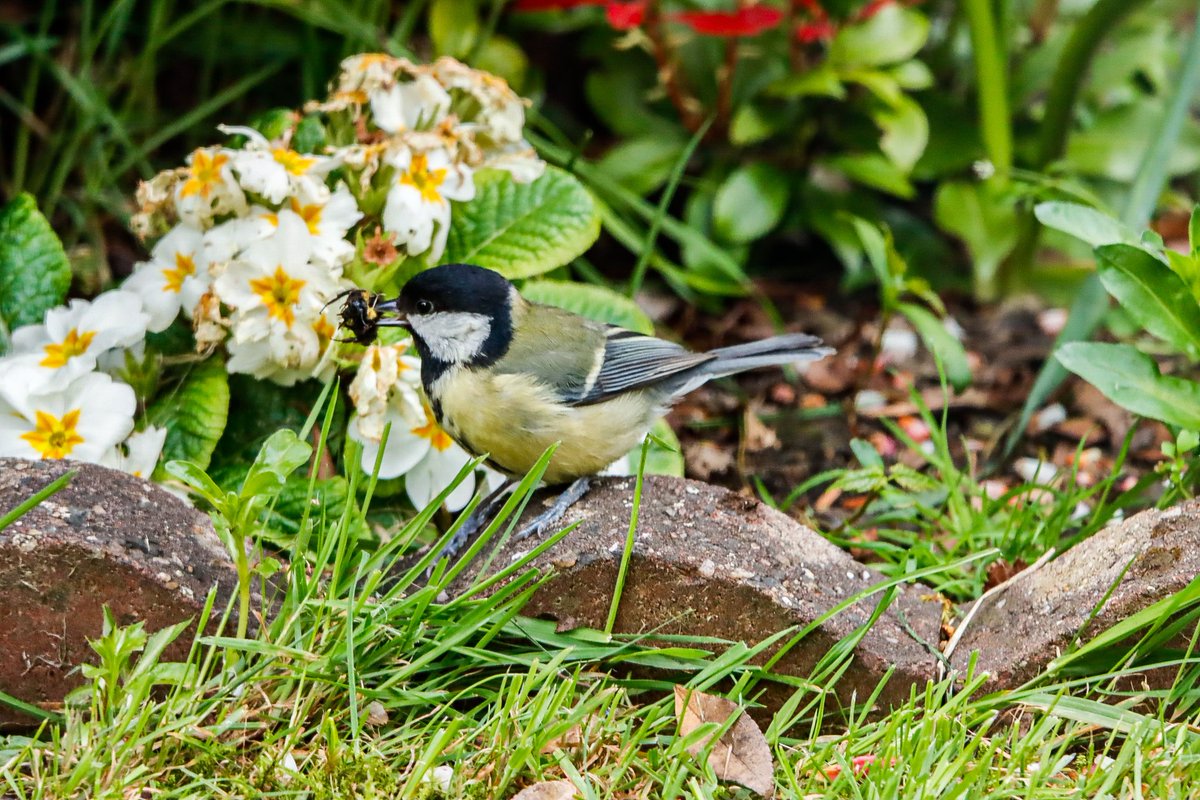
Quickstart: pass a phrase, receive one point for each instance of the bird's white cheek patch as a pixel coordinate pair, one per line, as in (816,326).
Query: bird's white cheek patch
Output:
(452,336)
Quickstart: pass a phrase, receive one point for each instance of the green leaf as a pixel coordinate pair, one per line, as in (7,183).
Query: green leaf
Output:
(874,170)
(34,271)
(1152,294)
(750,203)
(661,460)
(453,27)
(905,132)
(1084,223)
(281,454)
(982,216)
(523,229)
(642,164)
(594,302)
(941,343)
(194,414)
(820,81)
(1131,379)
(1113,145)
(892,35)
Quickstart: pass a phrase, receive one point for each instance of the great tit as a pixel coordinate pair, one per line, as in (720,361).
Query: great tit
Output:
(509,378)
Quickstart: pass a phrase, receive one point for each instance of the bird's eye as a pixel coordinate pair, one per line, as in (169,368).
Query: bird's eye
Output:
(424,307)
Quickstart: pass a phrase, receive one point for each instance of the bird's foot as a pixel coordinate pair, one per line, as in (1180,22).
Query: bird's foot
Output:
(554,513)
(470,526)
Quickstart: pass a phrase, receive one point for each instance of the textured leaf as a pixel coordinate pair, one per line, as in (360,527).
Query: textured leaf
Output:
(1131,379)
(1084,223)
(34,271)
(194,414)
(891,36)
(523,229)
(1152,294)
(594,302)
(662,460)
(741,755)
(941,343)
(642,164)
(750,203)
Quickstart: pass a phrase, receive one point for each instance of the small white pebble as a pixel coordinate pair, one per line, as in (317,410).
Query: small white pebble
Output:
(898,344)
(707,568)
(1048,417)
(1034,470)
(1052,321)
(869,399)
(441,777)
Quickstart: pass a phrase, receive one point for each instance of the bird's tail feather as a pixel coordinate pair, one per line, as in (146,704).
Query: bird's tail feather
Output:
(790,348)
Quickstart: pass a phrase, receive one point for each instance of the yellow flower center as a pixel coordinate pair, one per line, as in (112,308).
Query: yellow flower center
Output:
(75,344)
(279,293)
(367,60)
(310,214)
(54,437)
(438,438)
(184,267)
(292,161)
(424,180)
(204,174)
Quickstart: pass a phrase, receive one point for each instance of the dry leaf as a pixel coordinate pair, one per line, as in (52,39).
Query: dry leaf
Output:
(548,790)
(742,754)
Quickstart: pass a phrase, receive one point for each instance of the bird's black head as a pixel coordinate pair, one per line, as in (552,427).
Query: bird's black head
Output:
(458,314)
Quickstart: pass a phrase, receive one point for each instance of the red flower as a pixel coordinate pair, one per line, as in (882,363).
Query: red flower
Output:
(624,16)
(748,21)
(553,5)
(819,31)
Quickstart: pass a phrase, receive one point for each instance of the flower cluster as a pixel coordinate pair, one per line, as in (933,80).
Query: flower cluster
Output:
(254,241)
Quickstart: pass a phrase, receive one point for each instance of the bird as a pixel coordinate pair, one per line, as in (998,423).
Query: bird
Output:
(508,379)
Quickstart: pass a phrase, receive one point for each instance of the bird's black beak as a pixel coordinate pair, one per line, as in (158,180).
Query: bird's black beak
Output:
(390,316)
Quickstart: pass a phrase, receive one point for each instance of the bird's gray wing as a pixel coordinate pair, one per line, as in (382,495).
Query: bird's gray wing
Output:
(633,360)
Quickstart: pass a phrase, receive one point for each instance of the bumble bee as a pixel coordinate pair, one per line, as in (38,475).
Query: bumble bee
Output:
(360,315)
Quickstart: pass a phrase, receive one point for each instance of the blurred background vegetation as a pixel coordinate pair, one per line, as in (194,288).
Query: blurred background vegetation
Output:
(726,144)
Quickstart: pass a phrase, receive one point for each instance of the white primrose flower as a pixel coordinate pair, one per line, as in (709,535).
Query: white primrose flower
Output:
(73,337)
(276,173)
(175,277)
(83,419)
(138,455)
(327,223)
(222,243)
(406,106)
(418,208)
(277,295)
(383,371)
(418,449)
(363,74)
(209,190)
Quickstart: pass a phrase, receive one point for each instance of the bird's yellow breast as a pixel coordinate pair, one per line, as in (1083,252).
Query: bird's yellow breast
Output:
(515,419)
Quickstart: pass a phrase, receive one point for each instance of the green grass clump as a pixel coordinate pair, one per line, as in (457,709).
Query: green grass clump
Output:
(366,682)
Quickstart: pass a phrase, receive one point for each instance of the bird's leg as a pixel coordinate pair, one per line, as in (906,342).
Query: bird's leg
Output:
(555,512)
(476,520)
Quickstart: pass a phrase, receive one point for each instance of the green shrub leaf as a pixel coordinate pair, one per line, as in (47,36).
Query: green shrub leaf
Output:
(1083,222)
(523,229)
(891,36)
(194,414)
(594,302)
(1152,294)
(1131,379)
(750,203)
(34,271)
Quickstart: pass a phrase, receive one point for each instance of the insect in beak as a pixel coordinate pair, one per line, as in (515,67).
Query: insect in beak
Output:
(362,315)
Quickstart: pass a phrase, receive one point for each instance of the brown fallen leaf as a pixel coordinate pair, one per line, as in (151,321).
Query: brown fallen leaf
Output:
(742,754)
(548,790)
